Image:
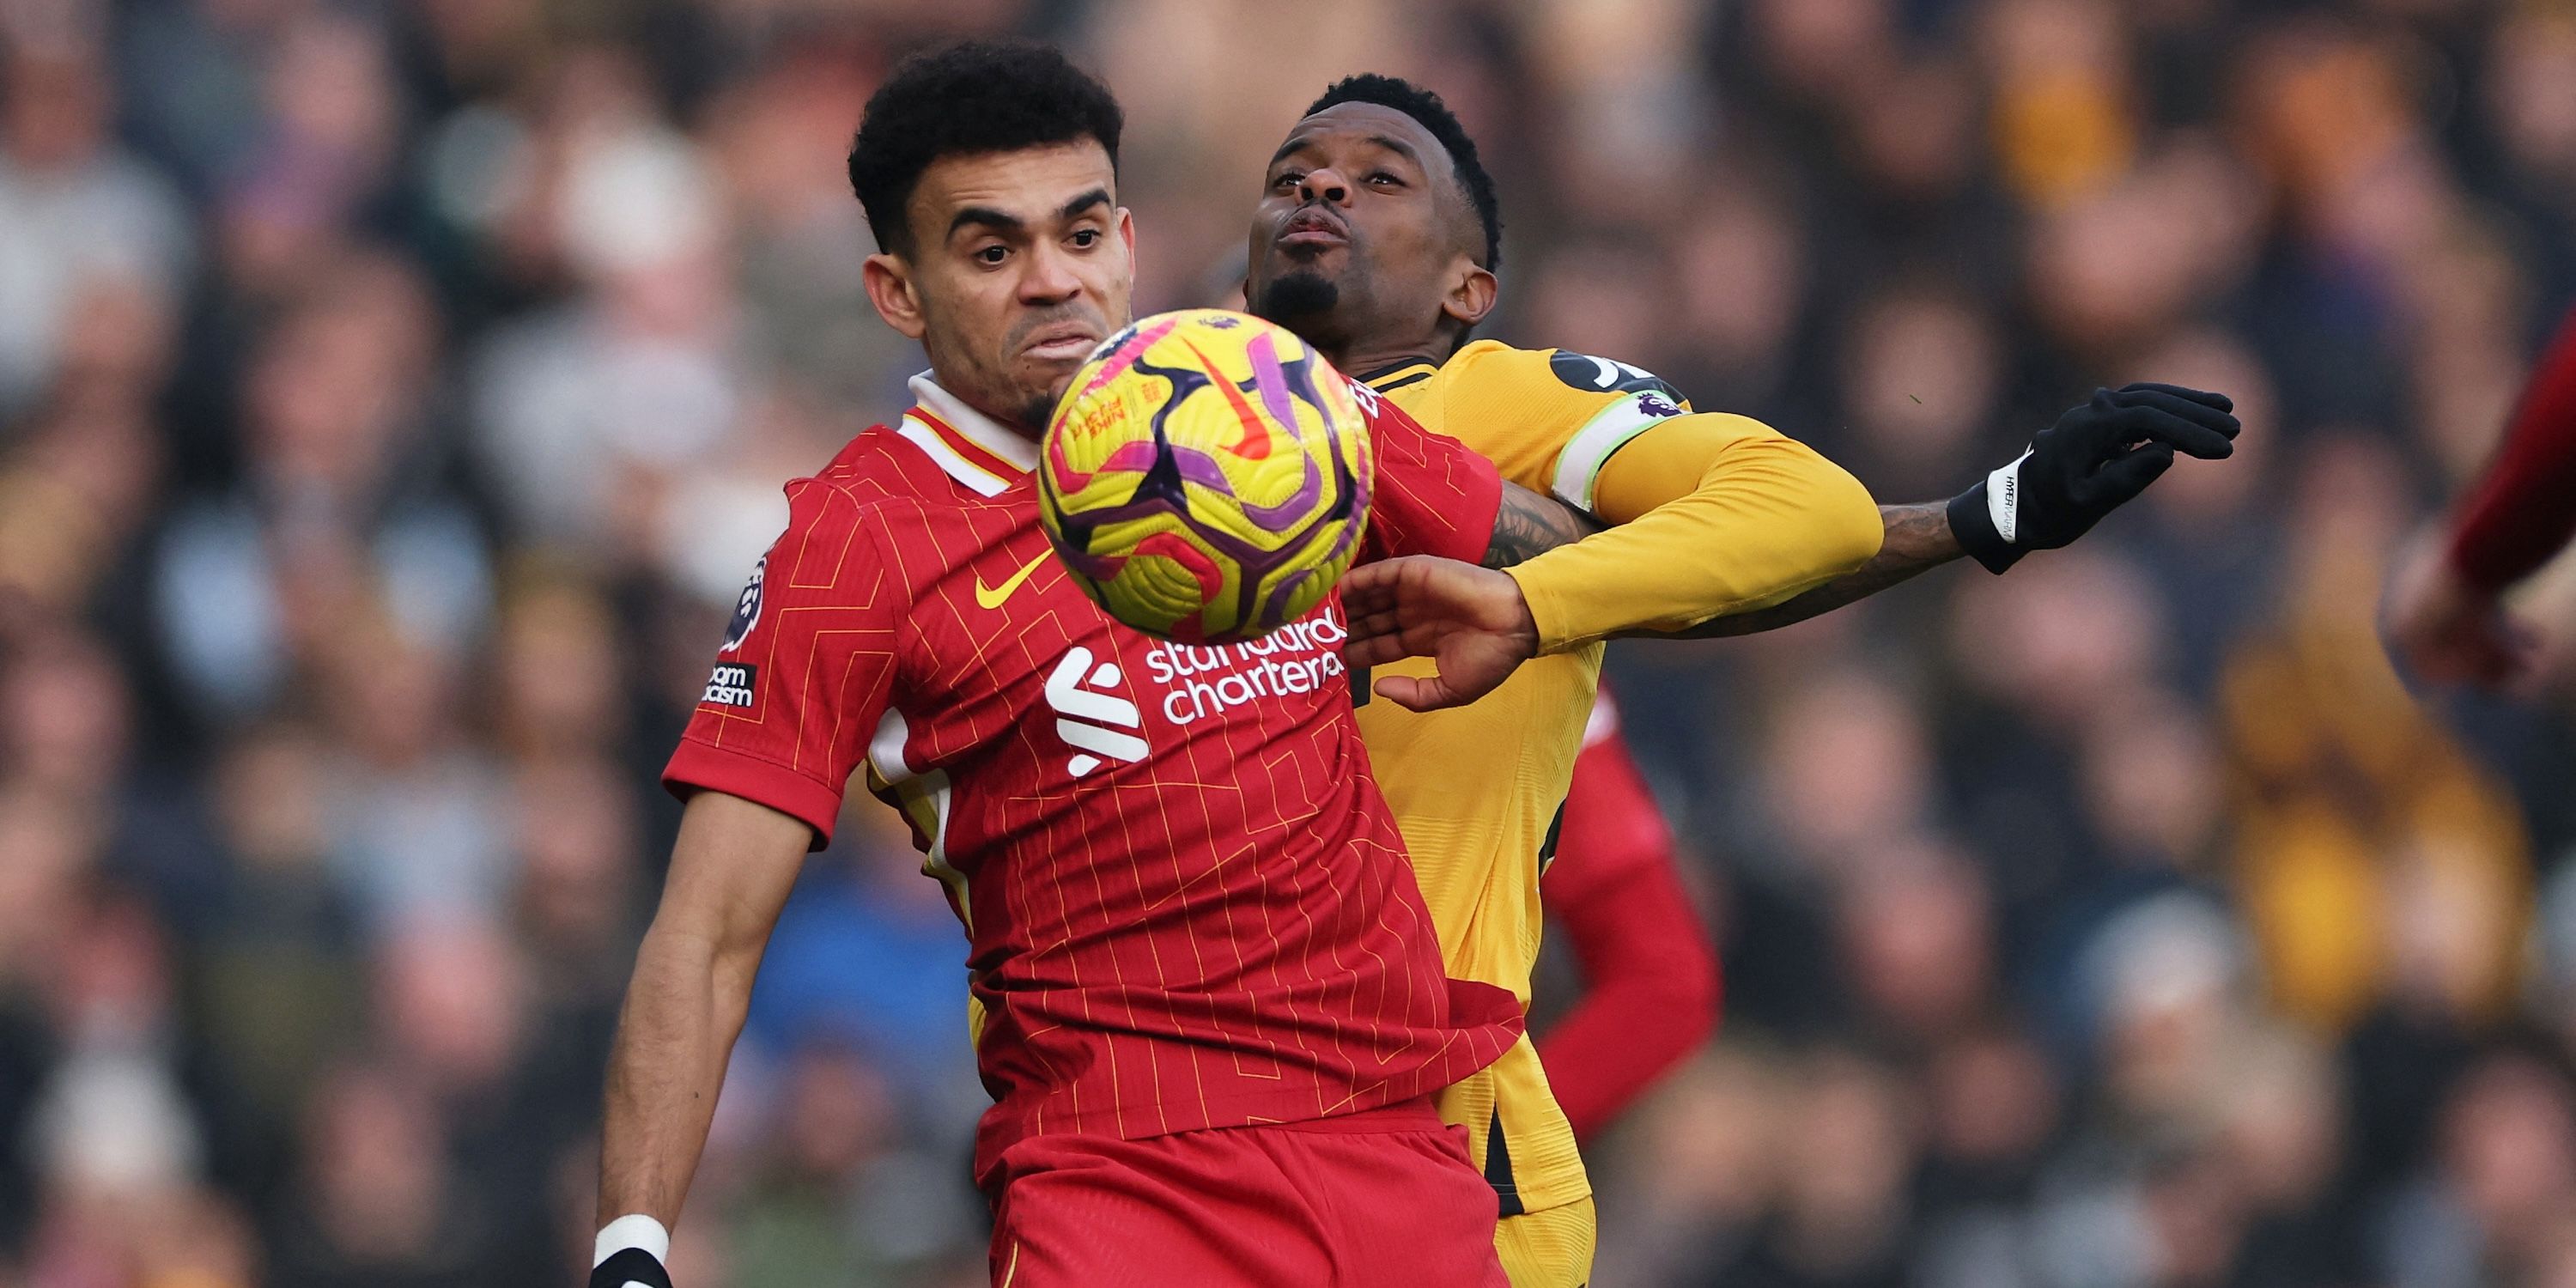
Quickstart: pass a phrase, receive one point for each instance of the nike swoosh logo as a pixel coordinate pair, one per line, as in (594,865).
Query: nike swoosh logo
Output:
(992,596)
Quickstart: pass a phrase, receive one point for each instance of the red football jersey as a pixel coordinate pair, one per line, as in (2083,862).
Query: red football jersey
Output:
(1185,903)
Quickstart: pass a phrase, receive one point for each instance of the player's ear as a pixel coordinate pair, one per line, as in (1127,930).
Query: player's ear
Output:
(1123,306)
(889,282)
(1471,294)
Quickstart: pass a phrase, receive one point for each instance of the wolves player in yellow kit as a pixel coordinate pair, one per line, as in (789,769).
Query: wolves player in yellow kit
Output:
(1377,238)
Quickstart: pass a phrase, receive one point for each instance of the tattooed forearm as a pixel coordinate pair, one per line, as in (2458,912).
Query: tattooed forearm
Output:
(1918,537)
(1530,524)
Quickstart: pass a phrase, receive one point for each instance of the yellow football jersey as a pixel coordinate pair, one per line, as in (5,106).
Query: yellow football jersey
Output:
(1478,789)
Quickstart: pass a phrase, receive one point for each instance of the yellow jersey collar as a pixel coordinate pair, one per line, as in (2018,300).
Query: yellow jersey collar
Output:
(1394,378)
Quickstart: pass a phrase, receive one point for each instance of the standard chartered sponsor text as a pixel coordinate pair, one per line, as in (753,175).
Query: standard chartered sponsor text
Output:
(1201,681)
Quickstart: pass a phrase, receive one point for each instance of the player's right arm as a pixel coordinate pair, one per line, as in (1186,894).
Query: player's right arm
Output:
(2445,613)
(802,681)
(731,871)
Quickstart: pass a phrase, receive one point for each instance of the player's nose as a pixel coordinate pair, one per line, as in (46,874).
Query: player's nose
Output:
(1324,183)
(1049,278)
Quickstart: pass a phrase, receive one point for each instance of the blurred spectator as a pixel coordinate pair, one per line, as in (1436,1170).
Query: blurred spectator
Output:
(347,511)
(1925,374)
(81,212)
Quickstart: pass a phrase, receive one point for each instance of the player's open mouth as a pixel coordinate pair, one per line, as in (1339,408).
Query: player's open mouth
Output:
(1312,227)
(1058,343)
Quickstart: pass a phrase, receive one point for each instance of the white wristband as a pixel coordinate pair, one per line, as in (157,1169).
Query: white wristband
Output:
(2003,498)
(634,1230)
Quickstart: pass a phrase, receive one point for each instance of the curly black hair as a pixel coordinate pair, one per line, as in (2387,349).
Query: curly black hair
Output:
(1426,108)
(974,97)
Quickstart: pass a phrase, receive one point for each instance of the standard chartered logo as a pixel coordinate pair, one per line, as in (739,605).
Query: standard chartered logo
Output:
(1089,713)
(1201,681)
(1095,717)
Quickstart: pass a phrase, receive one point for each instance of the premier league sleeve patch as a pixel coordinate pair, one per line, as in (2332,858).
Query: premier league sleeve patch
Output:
(1579,462)
(746,610)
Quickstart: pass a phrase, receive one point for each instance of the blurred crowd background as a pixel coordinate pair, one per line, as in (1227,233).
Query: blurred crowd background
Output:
(394,395)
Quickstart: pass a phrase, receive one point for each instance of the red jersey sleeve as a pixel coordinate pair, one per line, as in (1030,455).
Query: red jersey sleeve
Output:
(806,670)
(2523,511)
(1650,976)
(1433,495)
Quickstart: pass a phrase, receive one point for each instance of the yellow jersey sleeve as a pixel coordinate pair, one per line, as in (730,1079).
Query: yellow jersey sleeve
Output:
(1550,418)
(1715,513)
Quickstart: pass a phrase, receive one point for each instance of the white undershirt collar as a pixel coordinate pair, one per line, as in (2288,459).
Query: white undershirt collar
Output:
(976,427)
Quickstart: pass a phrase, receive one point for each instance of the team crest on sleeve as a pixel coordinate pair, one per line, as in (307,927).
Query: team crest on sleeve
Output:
(1609,376)
(746,609)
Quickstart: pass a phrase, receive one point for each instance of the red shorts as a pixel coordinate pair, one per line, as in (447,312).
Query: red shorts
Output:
(1382,1199)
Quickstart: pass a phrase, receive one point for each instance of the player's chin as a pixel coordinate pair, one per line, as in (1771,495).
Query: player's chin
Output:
(1042,383)
(1325,262)
(1301,289)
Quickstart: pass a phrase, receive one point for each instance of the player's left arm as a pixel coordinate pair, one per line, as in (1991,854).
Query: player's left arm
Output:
(1727,528)
(1710,514)
(1727,513)
(1724,513)
(2095,459)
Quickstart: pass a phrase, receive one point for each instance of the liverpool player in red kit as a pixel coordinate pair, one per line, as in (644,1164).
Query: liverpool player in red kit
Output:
(1210,1007)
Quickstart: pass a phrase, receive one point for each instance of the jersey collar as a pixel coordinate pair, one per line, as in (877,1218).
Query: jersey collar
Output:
(968,445)
(1394,378)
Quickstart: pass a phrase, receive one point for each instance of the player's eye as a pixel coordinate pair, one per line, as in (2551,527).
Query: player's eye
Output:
(992,255)
(1384,177)
(1086,238)
(1287,179)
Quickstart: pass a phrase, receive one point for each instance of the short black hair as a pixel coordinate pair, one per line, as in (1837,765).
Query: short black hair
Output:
(964,99)
(1427,110)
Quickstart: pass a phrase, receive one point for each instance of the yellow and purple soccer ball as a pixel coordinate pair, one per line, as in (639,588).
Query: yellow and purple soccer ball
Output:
(1206,476)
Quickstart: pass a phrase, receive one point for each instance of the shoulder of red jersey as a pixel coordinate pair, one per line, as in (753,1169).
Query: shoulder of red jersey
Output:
(1433,495)
(917,458)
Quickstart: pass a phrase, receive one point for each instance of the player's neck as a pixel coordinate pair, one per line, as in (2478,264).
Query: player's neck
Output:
(1013,421)
(1368,361)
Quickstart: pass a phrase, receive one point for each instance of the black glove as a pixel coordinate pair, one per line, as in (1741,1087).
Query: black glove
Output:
(630,1266)
(2088,464)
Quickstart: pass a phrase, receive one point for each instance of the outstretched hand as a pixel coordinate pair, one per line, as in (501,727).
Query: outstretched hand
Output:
(1472,622)
(2098,457)
(2120,441)
(2445,630)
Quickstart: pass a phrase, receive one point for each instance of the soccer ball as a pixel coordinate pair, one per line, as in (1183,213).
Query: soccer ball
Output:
(1206,477)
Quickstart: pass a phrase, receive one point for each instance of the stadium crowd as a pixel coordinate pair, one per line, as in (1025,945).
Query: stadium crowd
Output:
(394,395)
